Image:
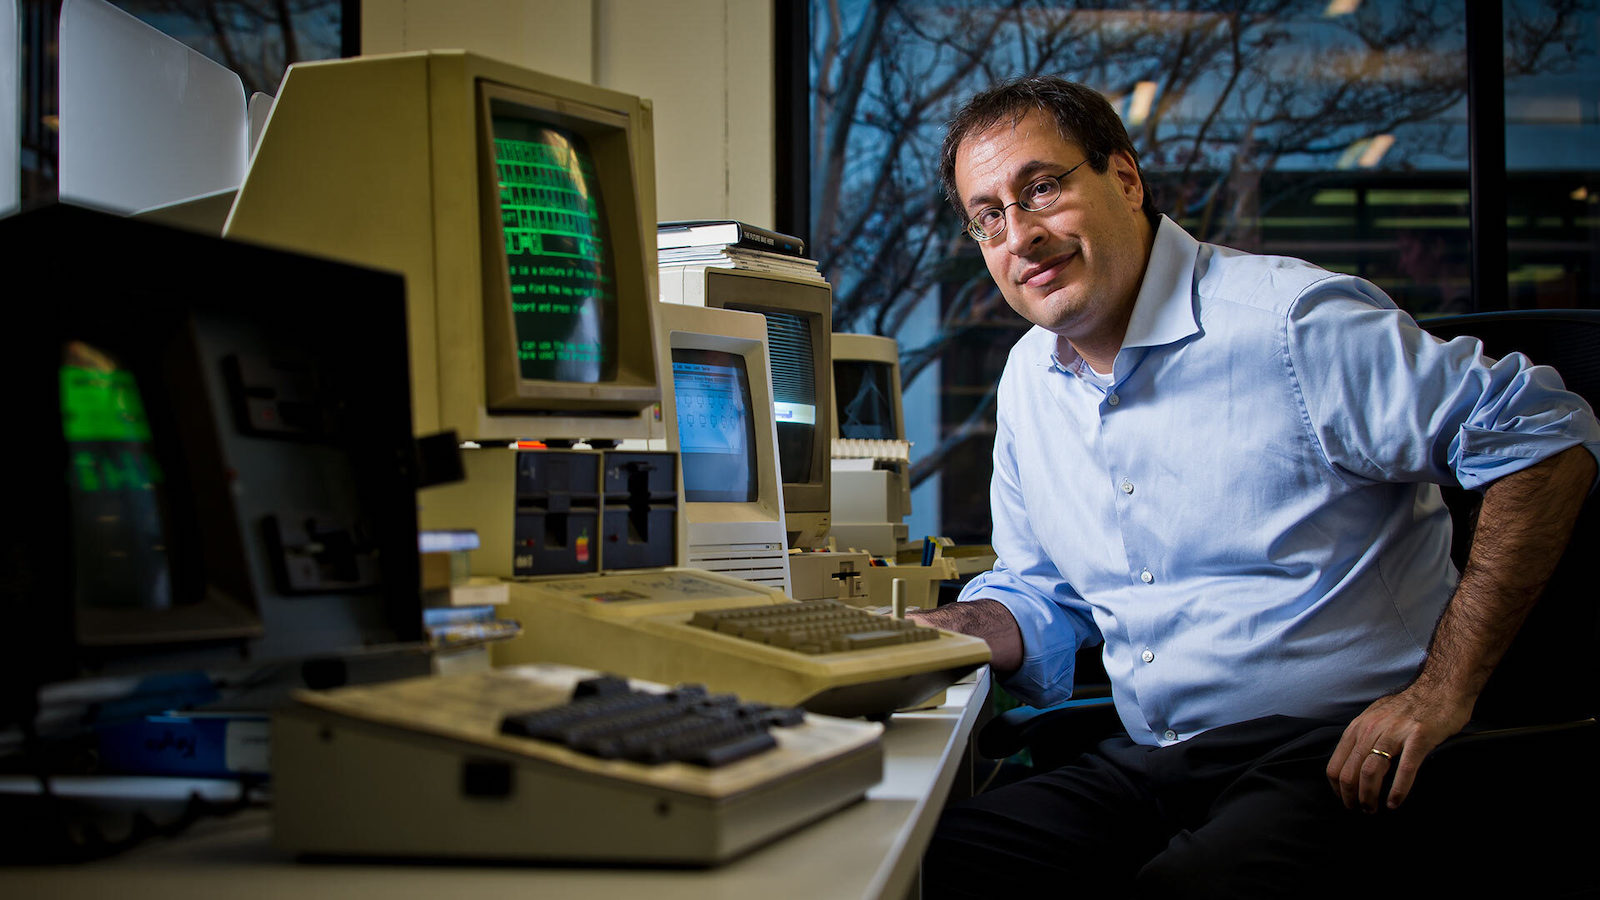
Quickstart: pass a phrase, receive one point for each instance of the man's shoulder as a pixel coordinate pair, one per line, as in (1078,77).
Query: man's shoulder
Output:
(1263,282)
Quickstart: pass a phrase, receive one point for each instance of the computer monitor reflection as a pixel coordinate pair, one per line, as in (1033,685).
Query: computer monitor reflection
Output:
(117,492)
(563,287)
(865,392)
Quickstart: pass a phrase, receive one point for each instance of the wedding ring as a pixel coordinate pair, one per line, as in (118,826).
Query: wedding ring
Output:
(1382,753)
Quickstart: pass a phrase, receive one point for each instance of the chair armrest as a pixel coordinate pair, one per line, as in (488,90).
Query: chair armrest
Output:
(1470,738)
(1055,732)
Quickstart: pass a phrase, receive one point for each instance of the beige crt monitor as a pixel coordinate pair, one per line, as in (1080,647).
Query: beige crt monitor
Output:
(719,419)
(799,314)
(866,388)
(871,492)
(519,206)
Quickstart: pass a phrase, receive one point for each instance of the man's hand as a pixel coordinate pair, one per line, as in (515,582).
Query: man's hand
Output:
(1405,727)
(988,619)
(1522,530)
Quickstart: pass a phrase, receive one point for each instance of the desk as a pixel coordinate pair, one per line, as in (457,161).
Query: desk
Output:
(871,849)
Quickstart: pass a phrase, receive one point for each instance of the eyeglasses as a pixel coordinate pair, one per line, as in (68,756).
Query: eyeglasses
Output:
(990,223)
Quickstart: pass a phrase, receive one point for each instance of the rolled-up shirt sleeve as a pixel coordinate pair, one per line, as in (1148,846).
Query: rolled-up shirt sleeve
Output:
(1054,620)
(1388,402)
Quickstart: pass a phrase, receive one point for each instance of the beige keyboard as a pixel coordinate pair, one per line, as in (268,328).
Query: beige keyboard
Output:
(813,626)
(687,625)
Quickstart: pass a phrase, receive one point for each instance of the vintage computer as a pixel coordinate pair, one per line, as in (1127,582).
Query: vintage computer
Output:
(871,491)
(721,424)
(866,388)
(799,314)
(520,208)
(231,522)
(217,509)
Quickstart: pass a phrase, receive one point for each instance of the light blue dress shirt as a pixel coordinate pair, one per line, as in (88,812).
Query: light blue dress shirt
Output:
(1248,514)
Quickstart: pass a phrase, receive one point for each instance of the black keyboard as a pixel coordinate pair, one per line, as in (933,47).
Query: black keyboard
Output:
(608,719)
(813,626)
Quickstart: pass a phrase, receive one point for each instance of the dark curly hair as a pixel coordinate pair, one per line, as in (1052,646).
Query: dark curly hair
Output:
(1081,113)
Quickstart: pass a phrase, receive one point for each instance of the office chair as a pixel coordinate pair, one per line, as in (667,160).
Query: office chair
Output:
(1536,716)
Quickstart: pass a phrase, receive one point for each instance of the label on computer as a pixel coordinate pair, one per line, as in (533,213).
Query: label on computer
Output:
(795,413)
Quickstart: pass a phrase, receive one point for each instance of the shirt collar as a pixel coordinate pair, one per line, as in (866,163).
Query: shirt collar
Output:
(1164,310)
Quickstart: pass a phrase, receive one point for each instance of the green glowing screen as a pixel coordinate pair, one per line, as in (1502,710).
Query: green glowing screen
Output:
(115,485)
(563,286)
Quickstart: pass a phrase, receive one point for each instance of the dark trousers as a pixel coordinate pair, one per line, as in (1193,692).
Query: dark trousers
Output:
(1237,812)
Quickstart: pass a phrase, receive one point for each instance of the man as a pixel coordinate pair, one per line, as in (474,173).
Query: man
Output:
(1224,467)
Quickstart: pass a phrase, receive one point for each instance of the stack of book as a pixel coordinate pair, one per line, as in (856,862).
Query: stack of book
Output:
(733,245)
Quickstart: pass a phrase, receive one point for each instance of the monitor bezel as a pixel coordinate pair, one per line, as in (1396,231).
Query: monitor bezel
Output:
(742,334)
(636,386)
(870,348)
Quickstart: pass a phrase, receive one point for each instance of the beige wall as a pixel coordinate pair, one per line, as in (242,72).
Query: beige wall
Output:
(706,65)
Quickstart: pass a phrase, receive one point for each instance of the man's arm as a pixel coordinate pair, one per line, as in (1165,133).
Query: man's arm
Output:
(1523,527)
(988,619)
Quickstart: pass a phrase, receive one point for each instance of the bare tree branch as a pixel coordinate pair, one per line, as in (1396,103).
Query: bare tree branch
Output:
(1243,86)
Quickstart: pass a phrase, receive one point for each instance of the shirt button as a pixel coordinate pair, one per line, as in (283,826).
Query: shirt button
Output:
(1148,656)
(1113,399)
(1146,576)
(1127,486)
(1170,735)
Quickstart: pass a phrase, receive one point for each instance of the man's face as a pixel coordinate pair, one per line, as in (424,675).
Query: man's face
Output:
(1075,267)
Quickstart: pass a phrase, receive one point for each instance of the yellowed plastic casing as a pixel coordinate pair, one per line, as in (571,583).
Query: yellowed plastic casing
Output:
(385,161)
(636,624)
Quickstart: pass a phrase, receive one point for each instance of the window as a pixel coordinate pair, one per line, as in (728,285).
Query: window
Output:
(257,39)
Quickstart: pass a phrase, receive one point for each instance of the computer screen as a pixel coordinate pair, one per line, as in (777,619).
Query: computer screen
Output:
(795,384)
(519,206)
(716,426)
(721,421)
(866,388)
(217,477)
(558,262)
(120,497)
(798,313)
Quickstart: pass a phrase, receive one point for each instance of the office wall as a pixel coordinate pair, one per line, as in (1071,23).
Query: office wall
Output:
(706,65)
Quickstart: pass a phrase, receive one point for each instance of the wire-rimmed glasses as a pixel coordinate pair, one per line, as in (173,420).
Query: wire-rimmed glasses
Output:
(990,222)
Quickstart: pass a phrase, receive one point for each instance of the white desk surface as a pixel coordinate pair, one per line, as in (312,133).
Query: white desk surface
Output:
(870,849)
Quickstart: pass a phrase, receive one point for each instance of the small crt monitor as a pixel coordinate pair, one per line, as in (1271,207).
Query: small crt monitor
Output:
(866,388)
(720,419)
(798,314)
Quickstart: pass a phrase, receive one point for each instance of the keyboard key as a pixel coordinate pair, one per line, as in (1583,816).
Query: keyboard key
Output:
(813,627)
(687,724)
